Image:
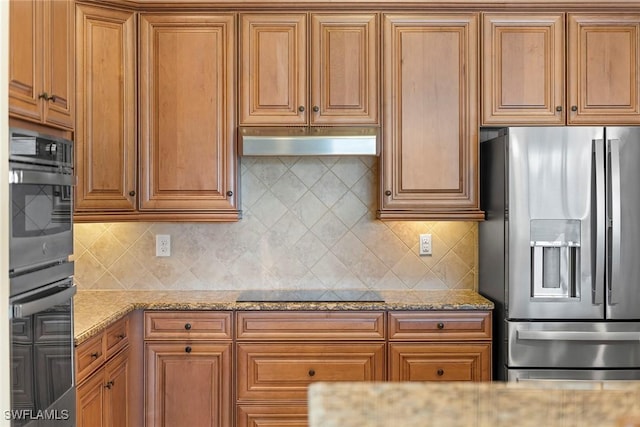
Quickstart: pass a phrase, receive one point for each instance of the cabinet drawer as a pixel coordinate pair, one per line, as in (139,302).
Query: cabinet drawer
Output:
(434,362)
(89,355)
(117,336)
(283,371)
(189,325)
(368,325)
(272,415)
(438,325)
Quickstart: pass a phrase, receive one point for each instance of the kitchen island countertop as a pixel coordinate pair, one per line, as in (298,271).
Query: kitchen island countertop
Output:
(438,404)
(94,310)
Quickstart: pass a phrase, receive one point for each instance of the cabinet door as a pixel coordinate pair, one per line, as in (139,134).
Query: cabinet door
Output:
(187,120)
(59,73)
(604,69)
(188,384)
(430,153)
(26,59)
(283,372)
(273,69)
(117,397)
(90,398)
(523,64)
(439,362)
(344,69)
(105,140)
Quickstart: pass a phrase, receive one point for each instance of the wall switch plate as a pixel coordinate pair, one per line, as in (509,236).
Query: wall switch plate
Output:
(163,245)
(425,244)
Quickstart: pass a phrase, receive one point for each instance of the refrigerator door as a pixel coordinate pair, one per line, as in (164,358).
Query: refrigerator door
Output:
(555,221)
(571,345)
(623,207)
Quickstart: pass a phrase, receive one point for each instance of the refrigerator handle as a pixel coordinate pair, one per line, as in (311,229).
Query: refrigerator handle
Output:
(613,223)
(597,289)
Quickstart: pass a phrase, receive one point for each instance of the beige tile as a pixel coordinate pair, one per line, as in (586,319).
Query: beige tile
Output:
(430,282)
(349,170)
(252,189)
(329,270)
(466,248)
(410,269)
(87,271)
(349,209)
(309,209)
(268,209)
(88,233)
(329,189)
(329,229)
(268,169)
(451,231)
(128,232)
(309,170)
(451,269)
(107,281)
(106,249)
(289,189)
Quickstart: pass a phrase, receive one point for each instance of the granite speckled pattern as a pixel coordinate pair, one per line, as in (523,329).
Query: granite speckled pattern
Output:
(97,309)
(604,404)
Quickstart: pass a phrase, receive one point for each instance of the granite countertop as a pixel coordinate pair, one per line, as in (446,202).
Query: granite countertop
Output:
(604,404)
(97,309)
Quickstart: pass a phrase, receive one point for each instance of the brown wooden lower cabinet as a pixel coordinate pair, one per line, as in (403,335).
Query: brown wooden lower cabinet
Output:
(435,362)
(188,384)
(263,415)
(253,368)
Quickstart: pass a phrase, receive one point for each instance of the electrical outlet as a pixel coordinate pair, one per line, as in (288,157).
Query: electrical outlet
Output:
(425,244)
(163,245)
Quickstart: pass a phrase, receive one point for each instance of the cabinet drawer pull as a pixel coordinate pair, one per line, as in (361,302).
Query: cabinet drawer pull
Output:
(312,372)
(559,108)
(132,193)
(316,108)
(229,193)
(187,349)
(440,372)
(121,336)
(187,326)
(301,108)
(574,108)
(109,384)
(387,193)
(95,355)
(440,325)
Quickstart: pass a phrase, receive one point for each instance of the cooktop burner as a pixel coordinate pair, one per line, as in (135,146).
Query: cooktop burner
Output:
(310,295)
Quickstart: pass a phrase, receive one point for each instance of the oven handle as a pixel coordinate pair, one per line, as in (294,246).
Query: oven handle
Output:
(22,176)
(578,336)
(28,308)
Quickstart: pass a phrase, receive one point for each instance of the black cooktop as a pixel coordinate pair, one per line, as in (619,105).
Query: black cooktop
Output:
(310,295)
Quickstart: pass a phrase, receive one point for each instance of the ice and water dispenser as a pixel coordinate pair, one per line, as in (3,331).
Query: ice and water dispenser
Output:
(555,258)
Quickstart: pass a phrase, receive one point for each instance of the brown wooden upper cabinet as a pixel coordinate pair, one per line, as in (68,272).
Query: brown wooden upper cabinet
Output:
(430,146)
(524,69)
(181,163)
(187,119)
(41,62)
(282,84)
(105,142)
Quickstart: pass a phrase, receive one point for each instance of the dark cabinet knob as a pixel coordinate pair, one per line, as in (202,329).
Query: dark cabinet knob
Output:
(95,355)
(316,108)
(559,108)
(109,385)
(121,336)
(229,193)
(301,108)
(312,372)
(574,108)
(387,193)
(187,326)
(187,349)
(440,325)
(47,97)
(440,372)
(132,193)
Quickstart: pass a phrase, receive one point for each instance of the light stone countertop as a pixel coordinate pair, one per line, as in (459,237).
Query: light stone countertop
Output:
(604,404)
(94,310)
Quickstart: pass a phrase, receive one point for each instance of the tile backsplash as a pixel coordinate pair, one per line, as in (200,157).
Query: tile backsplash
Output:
(308,223)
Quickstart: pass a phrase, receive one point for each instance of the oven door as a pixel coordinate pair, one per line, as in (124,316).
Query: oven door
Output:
(42,365)
(41,216)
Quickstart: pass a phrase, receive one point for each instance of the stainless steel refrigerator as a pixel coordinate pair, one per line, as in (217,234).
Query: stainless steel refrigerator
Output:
(559,251)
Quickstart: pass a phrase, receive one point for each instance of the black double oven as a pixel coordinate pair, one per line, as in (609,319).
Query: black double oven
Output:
(41,280)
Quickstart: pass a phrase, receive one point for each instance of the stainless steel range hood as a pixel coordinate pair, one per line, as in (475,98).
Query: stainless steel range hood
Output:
(306,141)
